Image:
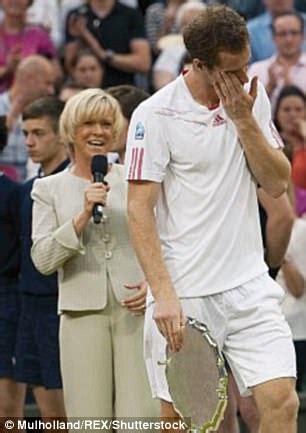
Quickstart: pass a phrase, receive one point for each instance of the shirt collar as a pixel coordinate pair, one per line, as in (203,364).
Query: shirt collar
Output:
(59,168)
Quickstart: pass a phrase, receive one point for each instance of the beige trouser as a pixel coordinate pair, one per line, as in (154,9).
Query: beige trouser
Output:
(102,364)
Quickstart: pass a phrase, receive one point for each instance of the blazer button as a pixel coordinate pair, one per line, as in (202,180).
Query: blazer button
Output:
(108,255)
(106,237)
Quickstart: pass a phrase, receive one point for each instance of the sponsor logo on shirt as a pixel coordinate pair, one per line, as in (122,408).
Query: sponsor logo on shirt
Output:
(218,120)
(139,132)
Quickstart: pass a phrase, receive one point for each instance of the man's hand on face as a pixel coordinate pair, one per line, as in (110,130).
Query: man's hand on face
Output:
(237,103)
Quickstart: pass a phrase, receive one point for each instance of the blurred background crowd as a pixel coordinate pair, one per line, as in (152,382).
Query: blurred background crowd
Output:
(57,48)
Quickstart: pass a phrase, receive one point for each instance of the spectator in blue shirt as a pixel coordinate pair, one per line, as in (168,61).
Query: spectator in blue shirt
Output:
(260,28)
(249,9)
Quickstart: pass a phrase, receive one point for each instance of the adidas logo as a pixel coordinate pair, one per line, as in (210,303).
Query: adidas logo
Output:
(218,120)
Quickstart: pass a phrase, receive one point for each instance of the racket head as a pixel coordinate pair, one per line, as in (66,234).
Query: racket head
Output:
(197,379)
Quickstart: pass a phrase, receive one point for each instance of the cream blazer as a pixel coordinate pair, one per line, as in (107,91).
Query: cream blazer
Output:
(104,250)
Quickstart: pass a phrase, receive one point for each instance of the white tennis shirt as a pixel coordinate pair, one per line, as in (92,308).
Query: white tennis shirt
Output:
(207,213)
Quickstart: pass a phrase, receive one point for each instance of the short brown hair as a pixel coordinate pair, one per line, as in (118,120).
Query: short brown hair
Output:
(48,106)
(295,14)
(215,29)
(129,97)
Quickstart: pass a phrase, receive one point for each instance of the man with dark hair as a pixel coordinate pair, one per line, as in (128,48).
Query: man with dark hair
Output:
(129,97)
(288,65)
(197,150)
(37,353)
(261,38)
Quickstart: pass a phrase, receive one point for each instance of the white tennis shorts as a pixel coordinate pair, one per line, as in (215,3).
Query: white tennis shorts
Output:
(249,327)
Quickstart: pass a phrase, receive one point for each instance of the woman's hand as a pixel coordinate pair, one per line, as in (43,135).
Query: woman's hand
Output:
(95,193)
(136,303)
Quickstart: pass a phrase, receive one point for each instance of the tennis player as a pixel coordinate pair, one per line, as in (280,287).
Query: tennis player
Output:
(197,150)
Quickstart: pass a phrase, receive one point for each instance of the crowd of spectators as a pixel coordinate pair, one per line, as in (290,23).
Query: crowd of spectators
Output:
(102,43)
(56,48)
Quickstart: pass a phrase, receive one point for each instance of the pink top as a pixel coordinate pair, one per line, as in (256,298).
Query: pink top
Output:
(32,40)
(10,172)
(300,201)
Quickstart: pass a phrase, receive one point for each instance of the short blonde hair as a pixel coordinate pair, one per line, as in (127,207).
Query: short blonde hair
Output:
(86,106)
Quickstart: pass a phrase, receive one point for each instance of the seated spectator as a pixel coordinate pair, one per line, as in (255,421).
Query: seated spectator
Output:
(292,277)
(129,97)
(168,64)
(290,118)
(115,33)
(20,40)
(70,88)
(160,20)
(288,65)
(247,8)
(261,39)
(34,78)
(87,69)
(45,13)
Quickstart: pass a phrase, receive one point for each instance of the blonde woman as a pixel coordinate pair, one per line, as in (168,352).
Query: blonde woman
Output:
(101,287)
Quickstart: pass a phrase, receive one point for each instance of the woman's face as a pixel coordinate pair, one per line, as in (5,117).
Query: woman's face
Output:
(88,72)
(15,7)
(93,138)
(292,110)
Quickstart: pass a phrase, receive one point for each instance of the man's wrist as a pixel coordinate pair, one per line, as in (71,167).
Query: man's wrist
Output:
(244,123)
(108,56)
(164,294)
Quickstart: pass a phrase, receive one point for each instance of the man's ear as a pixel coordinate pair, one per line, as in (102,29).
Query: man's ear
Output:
(198,65)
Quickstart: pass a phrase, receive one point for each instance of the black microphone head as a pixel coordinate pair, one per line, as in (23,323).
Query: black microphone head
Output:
(99,164)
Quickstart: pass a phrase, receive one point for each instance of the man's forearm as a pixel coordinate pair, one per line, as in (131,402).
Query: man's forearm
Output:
(131,62)
(280,219)
(270,167)
(148,249)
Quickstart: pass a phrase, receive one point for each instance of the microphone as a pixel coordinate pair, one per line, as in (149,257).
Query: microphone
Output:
(99,167)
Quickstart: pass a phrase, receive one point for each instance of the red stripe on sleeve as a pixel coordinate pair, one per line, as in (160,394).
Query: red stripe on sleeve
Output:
(131,163)
(135,163)
(276,135)
(140,162)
